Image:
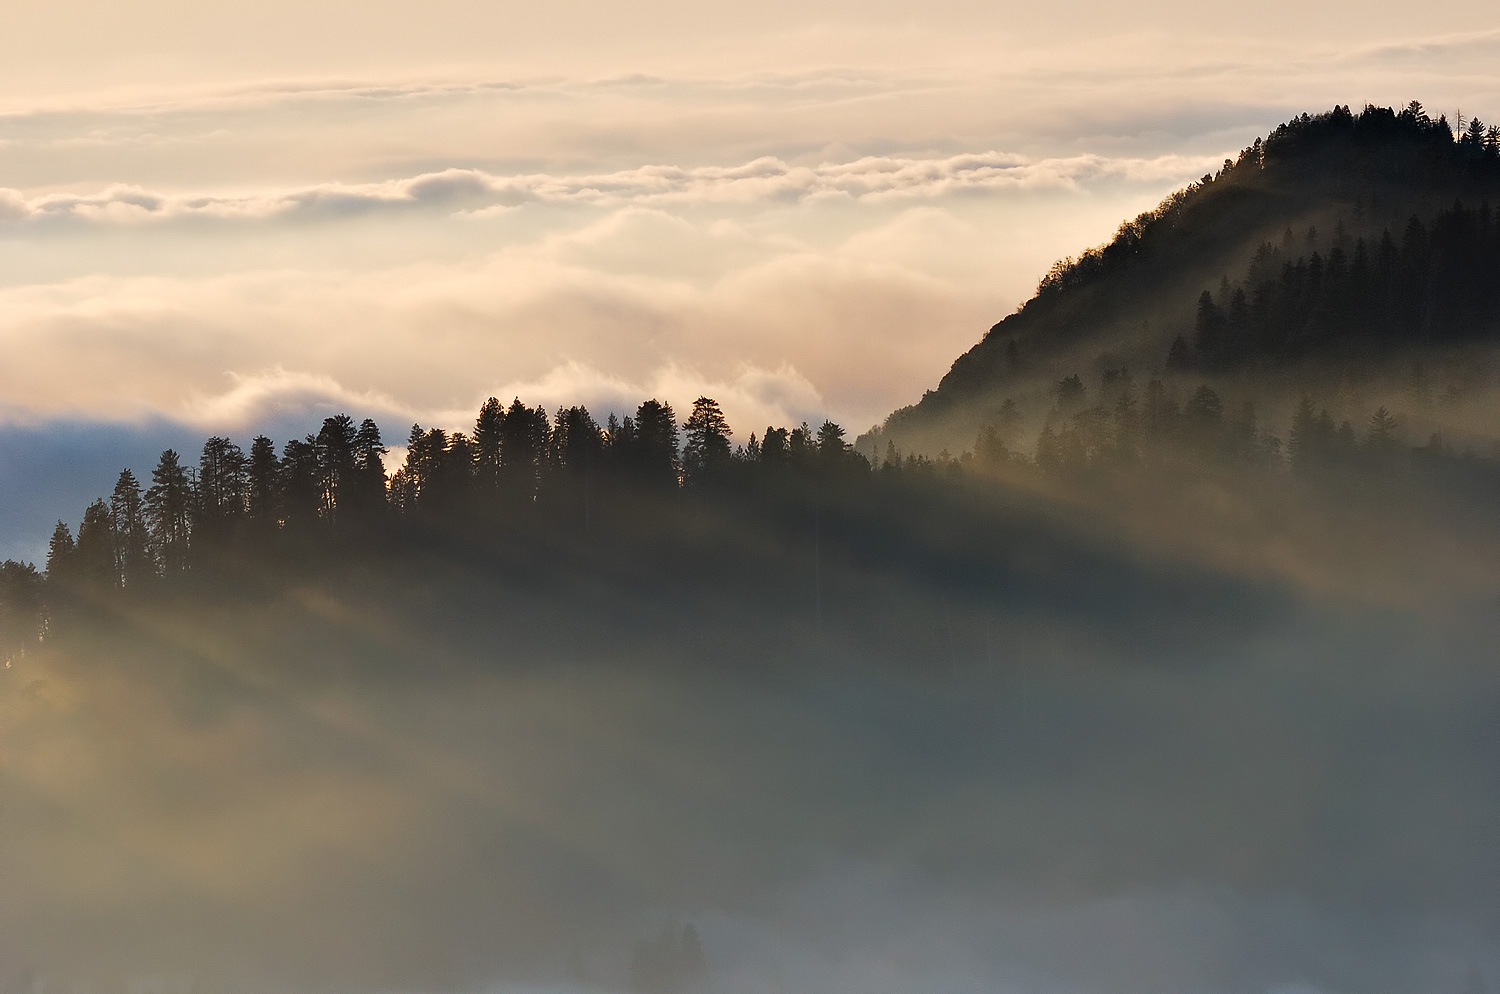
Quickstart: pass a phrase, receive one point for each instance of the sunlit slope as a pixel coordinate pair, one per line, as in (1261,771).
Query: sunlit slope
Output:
(1318,193)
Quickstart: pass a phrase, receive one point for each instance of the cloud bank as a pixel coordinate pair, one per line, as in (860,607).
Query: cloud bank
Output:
(767,180)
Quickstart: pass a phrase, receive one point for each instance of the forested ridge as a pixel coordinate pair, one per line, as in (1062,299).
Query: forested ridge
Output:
(560,500)
(1260,392)
(1340,245)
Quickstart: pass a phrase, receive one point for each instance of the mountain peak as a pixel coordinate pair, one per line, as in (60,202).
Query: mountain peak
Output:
(1320,192)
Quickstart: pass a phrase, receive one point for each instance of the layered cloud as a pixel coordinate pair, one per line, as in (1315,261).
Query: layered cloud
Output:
(766,180)
(423,340)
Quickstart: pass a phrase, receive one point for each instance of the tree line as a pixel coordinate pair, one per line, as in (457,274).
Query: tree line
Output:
(516,457)
(523,467)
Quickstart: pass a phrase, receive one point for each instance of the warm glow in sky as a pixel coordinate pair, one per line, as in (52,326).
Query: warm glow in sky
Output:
(237,217)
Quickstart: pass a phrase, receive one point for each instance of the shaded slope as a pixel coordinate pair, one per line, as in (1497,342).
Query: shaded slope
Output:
(1123,304)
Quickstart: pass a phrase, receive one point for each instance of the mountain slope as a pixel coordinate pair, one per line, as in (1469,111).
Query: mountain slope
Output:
(1325,193)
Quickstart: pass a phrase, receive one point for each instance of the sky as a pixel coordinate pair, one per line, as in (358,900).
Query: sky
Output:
(238,218)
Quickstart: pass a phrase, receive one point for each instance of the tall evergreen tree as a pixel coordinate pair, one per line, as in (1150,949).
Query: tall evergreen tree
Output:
(223,481)
(705,450)
(300,477)
(831,444)
(800,445)
(335,446)
(619,445)
(523,449)
(133,563)
(1209,332)
(655,454)
(773,447)
(453,484)
(263,481)
(415,481)
(489,439)
(169,512)
(94,555)
(576,442)
(60,550)
(365,490)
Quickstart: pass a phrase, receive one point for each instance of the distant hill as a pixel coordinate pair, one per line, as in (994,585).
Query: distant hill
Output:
(1339,244)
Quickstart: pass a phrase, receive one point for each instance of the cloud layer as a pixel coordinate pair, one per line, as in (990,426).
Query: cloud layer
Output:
(766,180)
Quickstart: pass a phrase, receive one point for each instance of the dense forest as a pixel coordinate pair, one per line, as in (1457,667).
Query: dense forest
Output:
(522,477)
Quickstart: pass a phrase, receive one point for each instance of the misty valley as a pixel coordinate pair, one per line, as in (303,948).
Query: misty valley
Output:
(1154,650)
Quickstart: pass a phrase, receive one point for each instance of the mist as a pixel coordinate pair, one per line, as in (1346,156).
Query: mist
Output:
(1019,746)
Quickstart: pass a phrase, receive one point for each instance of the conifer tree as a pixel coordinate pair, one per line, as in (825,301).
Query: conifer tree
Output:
(1380,434)
(300,480)
(831,444)
(774,447)
(455,477)
(524,436)
(576,442)
(133,563)
(1208,332)
(335,447)
(262,481)
(60,554)
(656,443)
(1304,436)
(800,445)
(222,487)
(94,554)
(705,450)
(489,435)
(364,492)
(169,506)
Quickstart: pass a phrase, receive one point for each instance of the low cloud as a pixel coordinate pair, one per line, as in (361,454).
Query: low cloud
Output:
(637,304)
(751,397)
(264,397)
(766,180)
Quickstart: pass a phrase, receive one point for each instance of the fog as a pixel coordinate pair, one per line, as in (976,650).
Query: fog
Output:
(1027,744)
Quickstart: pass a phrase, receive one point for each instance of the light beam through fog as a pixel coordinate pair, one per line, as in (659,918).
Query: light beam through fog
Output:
(1146,647)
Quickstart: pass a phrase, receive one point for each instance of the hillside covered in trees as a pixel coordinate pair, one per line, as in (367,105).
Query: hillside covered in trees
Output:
(1342,250)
